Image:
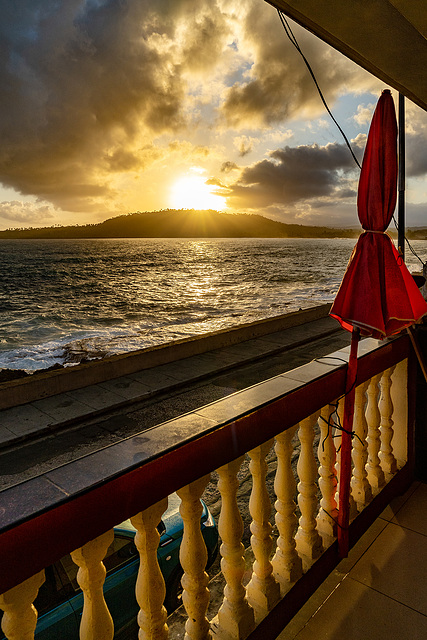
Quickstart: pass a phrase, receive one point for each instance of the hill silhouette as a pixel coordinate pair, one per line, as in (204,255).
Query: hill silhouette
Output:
(184,223)
(417,234)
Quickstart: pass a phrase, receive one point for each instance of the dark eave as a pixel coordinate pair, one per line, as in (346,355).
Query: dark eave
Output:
(388,38)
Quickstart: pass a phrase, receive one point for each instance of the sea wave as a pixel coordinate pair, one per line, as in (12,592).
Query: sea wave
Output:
(64,301)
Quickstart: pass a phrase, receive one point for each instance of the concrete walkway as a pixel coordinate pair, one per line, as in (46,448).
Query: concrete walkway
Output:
(41,417)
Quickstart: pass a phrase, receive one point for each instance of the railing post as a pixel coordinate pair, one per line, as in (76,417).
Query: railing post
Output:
(388,461)
(287,565)
(194,557)
(263,591)
(236,617)
(327,454)
(361,489)
(96,622)
(308,541)
(150,585)
(379,448)
(399,398)
(373,417)
(20,616)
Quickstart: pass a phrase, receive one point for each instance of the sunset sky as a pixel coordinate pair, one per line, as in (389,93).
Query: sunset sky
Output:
(110,107)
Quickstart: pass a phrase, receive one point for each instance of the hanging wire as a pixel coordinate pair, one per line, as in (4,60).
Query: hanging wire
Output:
(411,248)
(336,423)
(294,41)
(332,423)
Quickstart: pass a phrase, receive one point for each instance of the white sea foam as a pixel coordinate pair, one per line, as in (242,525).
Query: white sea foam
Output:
(67,300)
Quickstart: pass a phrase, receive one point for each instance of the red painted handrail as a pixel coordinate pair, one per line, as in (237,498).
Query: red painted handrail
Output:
(34,541)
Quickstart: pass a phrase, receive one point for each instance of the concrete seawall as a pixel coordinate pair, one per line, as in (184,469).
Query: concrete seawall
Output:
(46,384)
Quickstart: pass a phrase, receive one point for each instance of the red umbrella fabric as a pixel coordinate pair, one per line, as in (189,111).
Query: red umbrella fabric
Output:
(378,296)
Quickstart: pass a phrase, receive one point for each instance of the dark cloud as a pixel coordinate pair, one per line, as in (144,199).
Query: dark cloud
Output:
(214,182)
(228,166)
(122,160)
(279,85)
(205,41)
(89,87)
(85,82)
(416,154)
(245,149)
(295,174)
(345,193)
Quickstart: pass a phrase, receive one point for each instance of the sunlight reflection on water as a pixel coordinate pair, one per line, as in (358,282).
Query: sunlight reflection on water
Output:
(87,298)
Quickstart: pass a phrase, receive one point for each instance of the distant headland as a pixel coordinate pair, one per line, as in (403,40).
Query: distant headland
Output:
(184,223)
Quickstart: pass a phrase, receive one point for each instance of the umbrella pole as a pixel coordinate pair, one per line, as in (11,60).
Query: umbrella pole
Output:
(345,454)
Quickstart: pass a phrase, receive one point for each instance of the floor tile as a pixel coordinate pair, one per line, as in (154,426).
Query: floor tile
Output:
(96,396)
(224,355)
(397,503)
(413,513)
(62,407)
(249,349)
(187,369)
(394,564)
(281,338)
(6,435)
(361,546)
(308,610)
(25,419)
(126,387)
(356,612)
(153,379)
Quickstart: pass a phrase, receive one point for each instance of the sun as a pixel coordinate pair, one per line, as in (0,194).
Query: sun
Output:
(192,192)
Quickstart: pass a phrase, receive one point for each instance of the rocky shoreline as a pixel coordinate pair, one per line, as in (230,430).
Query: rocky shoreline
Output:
(8,375)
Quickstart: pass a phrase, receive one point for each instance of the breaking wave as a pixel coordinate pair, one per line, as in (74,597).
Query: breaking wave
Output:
(64,301)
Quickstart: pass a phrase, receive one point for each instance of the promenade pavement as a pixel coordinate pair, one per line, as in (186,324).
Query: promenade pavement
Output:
(274,353)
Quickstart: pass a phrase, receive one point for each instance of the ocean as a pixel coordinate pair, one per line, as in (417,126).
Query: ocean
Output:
(62,301)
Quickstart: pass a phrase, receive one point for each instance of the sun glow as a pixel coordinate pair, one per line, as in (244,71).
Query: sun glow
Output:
(192,192)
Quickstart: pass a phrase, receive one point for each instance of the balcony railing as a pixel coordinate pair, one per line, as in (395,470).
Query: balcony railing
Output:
(73,508)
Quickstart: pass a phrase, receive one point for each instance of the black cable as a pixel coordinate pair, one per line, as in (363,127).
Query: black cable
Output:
(294,41)
(408,243)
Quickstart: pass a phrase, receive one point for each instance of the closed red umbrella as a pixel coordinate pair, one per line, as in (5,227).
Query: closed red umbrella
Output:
(378,296)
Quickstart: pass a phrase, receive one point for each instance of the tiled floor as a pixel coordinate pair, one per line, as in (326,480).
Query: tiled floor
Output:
(380,591)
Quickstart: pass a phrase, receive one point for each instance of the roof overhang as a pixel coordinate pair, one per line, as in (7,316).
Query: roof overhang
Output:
(388,38)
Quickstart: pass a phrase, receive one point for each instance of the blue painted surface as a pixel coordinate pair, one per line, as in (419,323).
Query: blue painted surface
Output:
(60,600)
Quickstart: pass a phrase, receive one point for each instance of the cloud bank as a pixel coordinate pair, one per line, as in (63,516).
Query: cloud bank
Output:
(85,86)
(96,93)
(295,174)
(25,213)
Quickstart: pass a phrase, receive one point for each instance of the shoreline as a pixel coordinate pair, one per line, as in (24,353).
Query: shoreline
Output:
(169,223)
(59,379)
